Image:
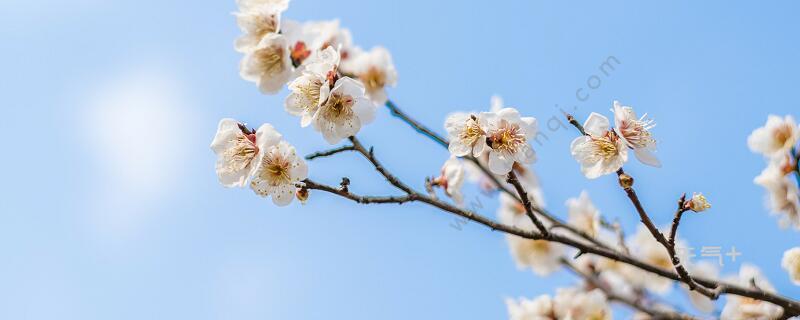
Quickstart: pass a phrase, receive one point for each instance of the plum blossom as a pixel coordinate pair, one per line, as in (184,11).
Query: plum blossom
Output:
(256,19)
(783,196)
(540,308)
(268,64)
(698,203)
(305,97)
(583,214)
(791,262)
(452,179)
(738,307)
(237,148)
(333,104)
(466,134)
(600,151)
(776,137)
(578,304)
(635,133)
(375,70)
(541,256)
(507,138)
(278,170)
(329,33)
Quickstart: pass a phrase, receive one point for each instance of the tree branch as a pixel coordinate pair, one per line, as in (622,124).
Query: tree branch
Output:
(359,199)
(555,221)
(677,220)
(416,125)
(526,202)
(626,182)
(636,304)
(330,152)
(375,163)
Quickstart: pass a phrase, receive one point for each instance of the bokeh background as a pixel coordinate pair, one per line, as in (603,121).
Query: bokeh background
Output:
(111,209)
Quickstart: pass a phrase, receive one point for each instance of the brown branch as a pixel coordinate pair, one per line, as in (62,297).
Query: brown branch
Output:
(375,163)
(416,125)
(526,202)
(359,199)
(790,306)
(555,221)
(330,152)
(677,220)
(575,123)
(594,281)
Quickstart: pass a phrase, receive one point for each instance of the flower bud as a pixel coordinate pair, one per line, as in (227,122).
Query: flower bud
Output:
(698,203)
(302,195)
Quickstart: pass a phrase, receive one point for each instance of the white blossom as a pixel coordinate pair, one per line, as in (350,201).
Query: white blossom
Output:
(466,134)
(583,214)
(577,304)
(791,262)
(278,170)
(305,97)
(777,136)
(452,179)
(738,307)
(703,269)
(375,70)
(698,203)
(540,308)
(783,196)
(330,34)
(258,20)
(334,105)
(635,133)
(344,109)
(601,151)
(507,138)
(268,64)
(541,256)
(237,151)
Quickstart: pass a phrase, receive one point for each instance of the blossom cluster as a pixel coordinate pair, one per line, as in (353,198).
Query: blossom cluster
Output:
(777,142)
(334,87)
(603,150)
(568,303)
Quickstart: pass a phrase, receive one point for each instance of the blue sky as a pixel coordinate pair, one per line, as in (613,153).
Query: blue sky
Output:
(112,209)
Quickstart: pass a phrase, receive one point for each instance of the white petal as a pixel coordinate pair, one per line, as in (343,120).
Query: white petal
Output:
(267,136)
(647,157)
(283,194)
(498,164)
(596,124)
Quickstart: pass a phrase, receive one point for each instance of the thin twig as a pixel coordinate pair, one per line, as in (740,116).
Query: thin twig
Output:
(375,163)
(330,152)
(594,281)
(571,119)
(556,222)
(626,182)
(526,203)
(416,125)
(677,220)
(790,306)
(359,199)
